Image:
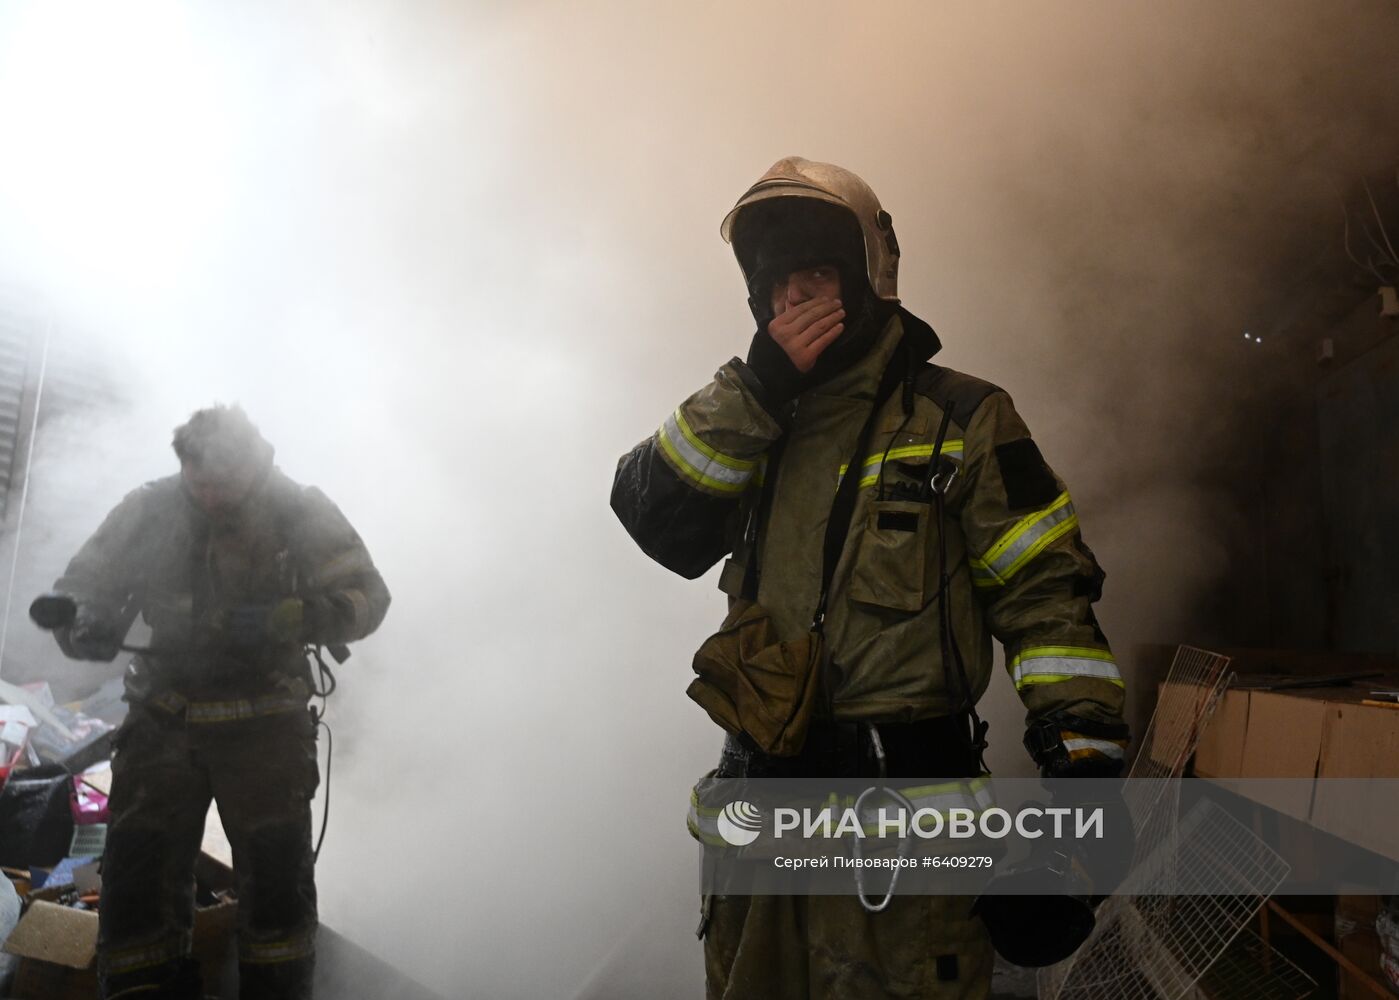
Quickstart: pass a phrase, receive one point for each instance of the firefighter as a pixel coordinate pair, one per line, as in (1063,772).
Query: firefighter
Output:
(959,533)
(237,570)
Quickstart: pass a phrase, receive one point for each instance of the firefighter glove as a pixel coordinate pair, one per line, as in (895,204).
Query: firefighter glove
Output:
(263,624)
(92,636)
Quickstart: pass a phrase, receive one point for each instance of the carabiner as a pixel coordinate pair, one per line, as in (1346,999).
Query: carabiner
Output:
(858,849)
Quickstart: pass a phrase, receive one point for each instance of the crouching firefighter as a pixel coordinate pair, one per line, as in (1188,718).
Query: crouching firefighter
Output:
(237,570)
(885,518)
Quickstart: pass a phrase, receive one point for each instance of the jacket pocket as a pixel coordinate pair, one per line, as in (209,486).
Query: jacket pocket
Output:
(889,565)
(750,681)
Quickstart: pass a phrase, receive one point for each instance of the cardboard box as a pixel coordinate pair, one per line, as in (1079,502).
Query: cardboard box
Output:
(1311,733)
(1360,742)
(1220,753)
(58,944)
(1301,734)
(1283,740)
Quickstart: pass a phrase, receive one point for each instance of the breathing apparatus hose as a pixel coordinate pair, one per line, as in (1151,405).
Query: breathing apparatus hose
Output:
(326,688)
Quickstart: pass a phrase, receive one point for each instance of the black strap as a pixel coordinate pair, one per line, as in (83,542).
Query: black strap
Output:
(753,569)
(843,508)
(951,652)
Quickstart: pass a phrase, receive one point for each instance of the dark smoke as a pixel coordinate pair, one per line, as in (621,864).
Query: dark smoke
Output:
(454,262)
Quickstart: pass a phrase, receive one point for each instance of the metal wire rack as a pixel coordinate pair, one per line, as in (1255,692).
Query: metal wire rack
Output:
(1178,927)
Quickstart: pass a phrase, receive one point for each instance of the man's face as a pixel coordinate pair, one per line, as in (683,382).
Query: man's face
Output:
(219,488)
(816,282)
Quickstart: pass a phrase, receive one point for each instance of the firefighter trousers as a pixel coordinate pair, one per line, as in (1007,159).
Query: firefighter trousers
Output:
(262,773)
(829,948)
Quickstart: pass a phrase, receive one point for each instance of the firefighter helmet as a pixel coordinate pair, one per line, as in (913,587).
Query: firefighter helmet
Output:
(795,177)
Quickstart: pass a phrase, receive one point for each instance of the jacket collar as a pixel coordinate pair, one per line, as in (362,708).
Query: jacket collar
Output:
(921,338)
(861,379)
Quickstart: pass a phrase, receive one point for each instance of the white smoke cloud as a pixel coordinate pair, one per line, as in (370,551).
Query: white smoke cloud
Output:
(455,261)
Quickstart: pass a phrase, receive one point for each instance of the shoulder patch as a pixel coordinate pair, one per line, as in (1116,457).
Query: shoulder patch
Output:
(952,390)
(1027,478)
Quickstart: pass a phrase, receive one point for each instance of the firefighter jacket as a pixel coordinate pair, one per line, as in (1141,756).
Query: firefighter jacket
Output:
(729,474)
(158,555)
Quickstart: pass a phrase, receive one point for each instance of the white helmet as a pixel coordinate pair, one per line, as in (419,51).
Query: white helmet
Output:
(793,177)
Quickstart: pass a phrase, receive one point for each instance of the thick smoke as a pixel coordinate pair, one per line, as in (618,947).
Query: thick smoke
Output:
(455,262)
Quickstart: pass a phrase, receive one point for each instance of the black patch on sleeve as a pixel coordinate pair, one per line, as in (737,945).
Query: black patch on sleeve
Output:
(898,520)
(1028,481)
(947,968)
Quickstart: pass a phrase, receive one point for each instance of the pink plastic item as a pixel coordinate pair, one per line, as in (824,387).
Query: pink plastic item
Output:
(6,766)
(89,804)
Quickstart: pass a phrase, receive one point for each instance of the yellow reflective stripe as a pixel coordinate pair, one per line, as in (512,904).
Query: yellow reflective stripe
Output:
(171,702)
(699,462)
(700,810)
(1083,652)
(738,464)
(974,794)
(869,473)
(359,603)
(949,448)
(1055,678)
(1050,664)
(708,839)
(690,472)
(145,956)
(231,711)
(703,823)
(269,952)
(348,563)
(1080,746)
(983,575)
(1026,539)
(979,787)
(243,708)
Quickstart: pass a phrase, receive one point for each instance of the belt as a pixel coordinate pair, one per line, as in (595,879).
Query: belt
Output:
(928,748)
(292,698)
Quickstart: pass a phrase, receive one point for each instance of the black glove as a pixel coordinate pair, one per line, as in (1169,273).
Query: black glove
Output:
(92,636)
(292,619)
(1036,915)
(1088,783)
(774,369)
(1039,912)
(1107,864)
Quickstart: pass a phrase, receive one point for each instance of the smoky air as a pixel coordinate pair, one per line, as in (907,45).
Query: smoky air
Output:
(455,262)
